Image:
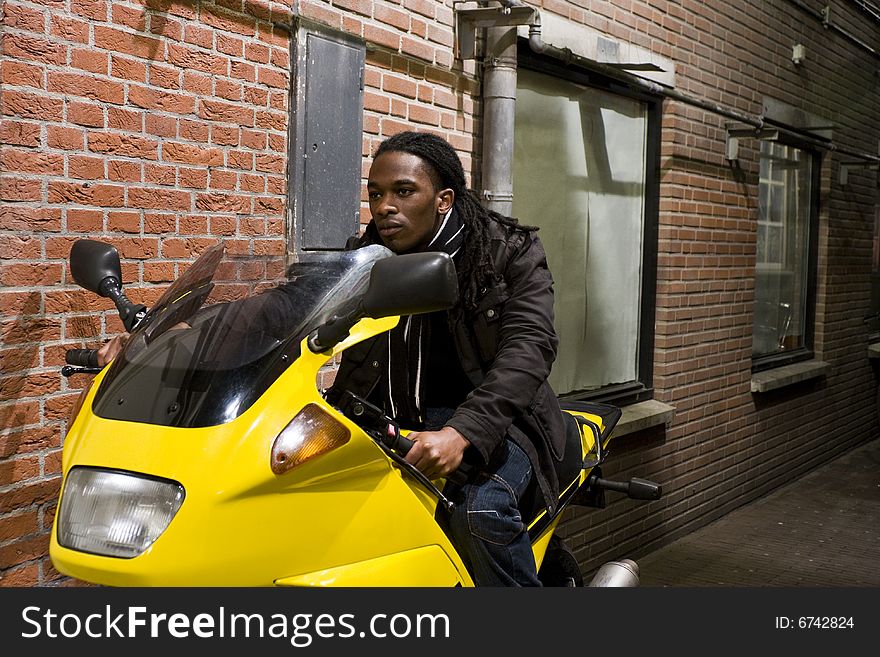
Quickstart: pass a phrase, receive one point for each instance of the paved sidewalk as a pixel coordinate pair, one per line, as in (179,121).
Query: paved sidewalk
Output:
(822,530)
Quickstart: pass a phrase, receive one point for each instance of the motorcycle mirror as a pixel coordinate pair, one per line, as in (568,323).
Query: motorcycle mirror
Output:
(411,284)
(95,266)
(92,263)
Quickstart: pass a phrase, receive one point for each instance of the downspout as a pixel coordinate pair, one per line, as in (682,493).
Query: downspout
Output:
(499,110)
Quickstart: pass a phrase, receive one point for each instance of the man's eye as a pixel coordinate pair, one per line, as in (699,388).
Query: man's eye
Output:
(404,192)
(373,195)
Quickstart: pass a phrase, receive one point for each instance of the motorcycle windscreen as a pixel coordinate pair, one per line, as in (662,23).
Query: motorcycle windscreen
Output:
(200,359)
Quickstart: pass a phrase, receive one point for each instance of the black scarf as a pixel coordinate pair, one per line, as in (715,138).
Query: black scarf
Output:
(409,341)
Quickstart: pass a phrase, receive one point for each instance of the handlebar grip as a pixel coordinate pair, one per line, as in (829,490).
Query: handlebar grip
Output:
(82,357)
(398,442)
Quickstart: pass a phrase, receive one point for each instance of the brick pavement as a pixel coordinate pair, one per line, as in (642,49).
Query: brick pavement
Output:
(822,530)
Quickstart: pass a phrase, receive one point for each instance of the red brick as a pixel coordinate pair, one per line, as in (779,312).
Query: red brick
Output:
(22,218)
(85,114)
(111,196)
(225,135)
(230,203)
(131,17)
(15,247)
(161,126)
(19,133)
(164,101)
(89,60)
(228,90)
(118,41)
(272,77)
(242,71)
(95,9)
(124,222)
(26,161)
(158,199)
(18,526)
(271,163)
(159,272)
(188,154)
(67,139)
(24,18)
(222,180)
(229,45)
(22,74)
(31,106)
(256,52)
(85,221)
(253,139)
(125,119)
(69,29)
(32,385)
(128,69)
(198,35)
(30,48)
(227,21)
(124,171)
(213,110)
(198,84)
(18,552)
(20,189)
(124,145)
(189,58)
(160,174)
(26,575)
(193,130)
(159,223)
(84,167)
(164,76)
(24,496)
(193,178)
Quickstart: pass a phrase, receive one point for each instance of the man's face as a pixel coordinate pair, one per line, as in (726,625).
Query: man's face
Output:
(406,207)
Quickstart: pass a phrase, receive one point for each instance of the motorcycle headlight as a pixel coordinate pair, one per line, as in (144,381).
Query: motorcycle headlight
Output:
(113,513)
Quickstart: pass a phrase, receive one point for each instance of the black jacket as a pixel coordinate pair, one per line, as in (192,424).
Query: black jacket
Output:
(506,346)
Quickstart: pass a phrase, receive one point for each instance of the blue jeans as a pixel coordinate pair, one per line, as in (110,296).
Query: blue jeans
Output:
(486,526)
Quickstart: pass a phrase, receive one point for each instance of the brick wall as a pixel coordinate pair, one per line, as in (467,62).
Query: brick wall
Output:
(726,446)
(161,126)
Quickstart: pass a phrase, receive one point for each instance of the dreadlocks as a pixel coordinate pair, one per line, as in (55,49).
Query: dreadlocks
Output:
(444,168)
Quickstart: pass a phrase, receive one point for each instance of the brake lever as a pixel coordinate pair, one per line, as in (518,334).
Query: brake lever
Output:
(386,433)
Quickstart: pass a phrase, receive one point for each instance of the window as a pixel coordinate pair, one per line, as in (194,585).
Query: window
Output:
(786,247)
(584,172)
(326,141)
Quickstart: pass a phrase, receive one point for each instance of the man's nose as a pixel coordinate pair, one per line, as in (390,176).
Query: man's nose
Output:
(385,207)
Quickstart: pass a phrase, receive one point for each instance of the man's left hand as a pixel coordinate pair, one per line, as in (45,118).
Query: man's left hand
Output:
(437,453)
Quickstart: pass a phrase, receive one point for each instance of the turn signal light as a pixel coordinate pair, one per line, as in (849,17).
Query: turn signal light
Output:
(311,433)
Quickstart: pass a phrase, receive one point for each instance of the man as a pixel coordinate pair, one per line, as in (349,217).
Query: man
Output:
(472,380)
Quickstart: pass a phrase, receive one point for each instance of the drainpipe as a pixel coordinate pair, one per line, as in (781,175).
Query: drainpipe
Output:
(499,109)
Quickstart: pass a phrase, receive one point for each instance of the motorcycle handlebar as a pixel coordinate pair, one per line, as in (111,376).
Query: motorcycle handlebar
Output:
(82,357)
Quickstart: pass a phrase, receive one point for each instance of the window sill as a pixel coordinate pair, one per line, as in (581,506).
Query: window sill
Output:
(646,414)
(788,375)
(874,350)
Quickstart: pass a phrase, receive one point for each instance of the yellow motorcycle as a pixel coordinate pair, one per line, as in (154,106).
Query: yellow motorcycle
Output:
(205,453)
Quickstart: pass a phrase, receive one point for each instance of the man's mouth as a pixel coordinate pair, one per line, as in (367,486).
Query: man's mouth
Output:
(386,230)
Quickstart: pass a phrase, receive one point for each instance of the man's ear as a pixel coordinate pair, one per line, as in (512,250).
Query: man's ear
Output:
(445,199)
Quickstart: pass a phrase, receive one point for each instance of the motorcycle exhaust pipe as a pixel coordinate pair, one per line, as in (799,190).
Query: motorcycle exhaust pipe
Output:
(617,574)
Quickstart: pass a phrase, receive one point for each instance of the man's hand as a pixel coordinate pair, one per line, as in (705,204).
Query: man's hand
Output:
(111,349)
(437,453)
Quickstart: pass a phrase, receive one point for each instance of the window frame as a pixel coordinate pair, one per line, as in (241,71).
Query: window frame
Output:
(641,389)
(806,352)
